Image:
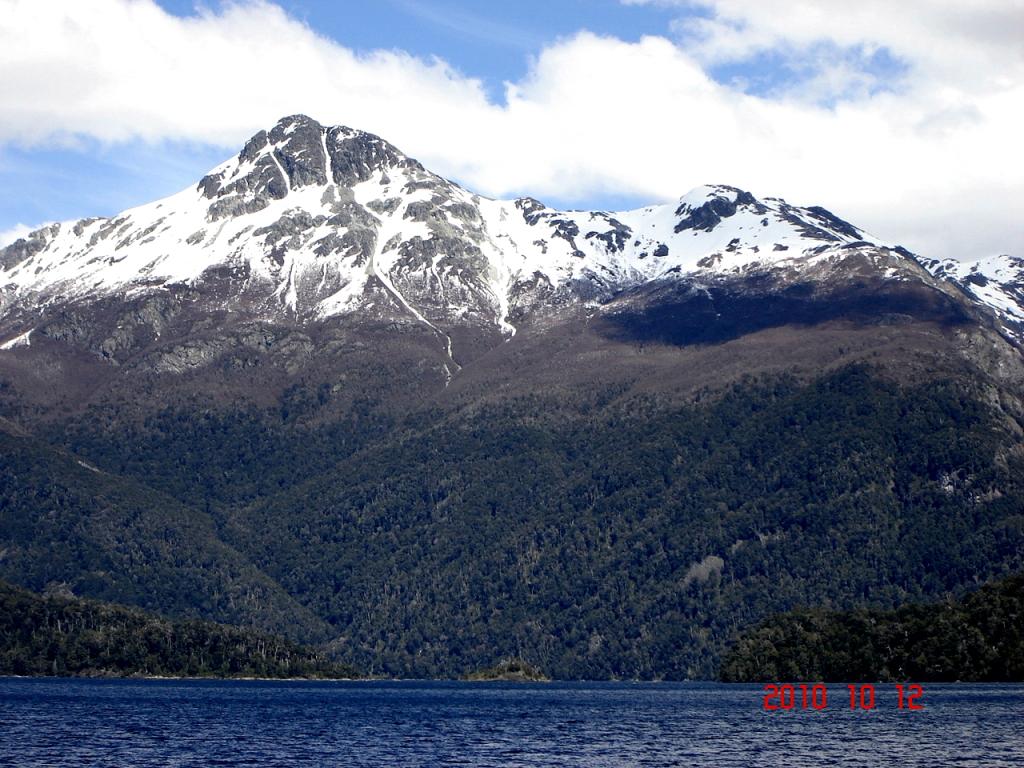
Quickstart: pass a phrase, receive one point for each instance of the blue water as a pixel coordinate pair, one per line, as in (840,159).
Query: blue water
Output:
(191,723)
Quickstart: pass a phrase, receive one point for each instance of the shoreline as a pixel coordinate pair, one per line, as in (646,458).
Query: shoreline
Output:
(717,683)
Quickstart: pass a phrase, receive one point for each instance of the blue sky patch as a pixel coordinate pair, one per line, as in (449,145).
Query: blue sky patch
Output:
(777,73)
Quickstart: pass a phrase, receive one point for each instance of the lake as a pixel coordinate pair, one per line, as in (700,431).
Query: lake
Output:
(58,722)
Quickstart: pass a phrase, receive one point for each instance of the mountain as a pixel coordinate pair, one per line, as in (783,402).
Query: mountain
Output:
(309,223)
(439,429)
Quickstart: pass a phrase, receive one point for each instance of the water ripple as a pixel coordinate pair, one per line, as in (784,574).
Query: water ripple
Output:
(58,723)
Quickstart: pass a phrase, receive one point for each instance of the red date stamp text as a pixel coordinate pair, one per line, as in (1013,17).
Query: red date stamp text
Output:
(791,696)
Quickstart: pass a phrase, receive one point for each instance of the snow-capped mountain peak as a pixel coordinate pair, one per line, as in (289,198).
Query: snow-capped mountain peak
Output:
(296,154)
(311,222)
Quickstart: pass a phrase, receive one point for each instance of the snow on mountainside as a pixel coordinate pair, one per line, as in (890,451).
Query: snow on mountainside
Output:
(310,222)
(996,281)
(317,221)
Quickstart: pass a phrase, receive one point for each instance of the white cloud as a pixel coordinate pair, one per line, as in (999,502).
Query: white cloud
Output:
(933,164)
(18,231)
(120,69)
(959,43)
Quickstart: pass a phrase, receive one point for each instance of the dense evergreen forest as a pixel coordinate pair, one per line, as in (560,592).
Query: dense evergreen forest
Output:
(70,637)
(64,521)
(977,639)
(600,534)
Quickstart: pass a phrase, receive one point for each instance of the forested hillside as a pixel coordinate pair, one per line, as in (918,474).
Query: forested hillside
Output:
(63,520)
(605,535)
(70,637)
(977,639)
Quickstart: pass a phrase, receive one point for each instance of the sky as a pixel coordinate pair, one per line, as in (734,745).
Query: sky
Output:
(903,118)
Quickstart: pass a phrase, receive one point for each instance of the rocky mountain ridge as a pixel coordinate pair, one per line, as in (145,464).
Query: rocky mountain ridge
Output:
(996,281)
(311,222)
